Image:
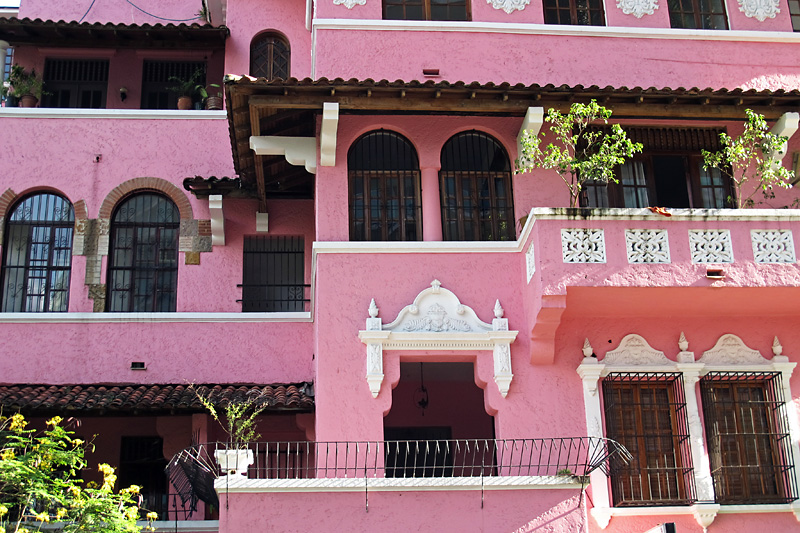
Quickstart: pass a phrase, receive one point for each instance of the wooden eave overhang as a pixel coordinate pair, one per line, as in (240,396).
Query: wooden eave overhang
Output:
(257,106)
(62,34)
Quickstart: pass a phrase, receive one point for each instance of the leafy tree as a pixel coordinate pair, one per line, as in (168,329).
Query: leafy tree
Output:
(580,153)
(237,418)
(748,158)
(39,484)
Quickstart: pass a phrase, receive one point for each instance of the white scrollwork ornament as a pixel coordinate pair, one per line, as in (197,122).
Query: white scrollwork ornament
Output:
(508,5)
(638,8)
(349,4)
(759,9)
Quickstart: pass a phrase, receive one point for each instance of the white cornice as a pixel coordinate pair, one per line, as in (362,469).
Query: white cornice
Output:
(116,114)
(78,318)
(195,526)
(720,215)
(558,29)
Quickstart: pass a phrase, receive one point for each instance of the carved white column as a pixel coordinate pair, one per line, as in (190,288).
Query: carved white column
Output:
(375,351)
(781,364)
(704,484)
(501,352)
(590,371)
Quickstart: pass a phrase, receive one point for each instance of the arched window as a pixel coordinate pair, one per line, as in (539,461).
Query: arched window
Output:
(383,172)
(143,258)
(37,255)
(475,189)
(269,56)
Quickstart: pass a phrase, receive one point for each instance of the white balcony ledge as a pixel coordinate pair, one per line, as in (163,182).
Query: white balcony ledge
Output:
(224,484)
(723,215)
(115,114)
(197,526)
(98,318)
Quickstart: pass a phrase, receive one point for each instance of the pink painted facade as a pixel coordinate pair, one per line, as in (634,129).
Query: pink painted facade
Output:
(591,300)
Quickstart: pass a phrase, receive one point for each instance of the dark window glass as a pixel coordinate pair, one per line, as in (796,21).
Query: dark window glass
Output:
(273,277)
(383,172)
(698,14)
(419,451)
(794,12)
(38,255)
(142,463)
(426,10)
(578,12)
(76,83)
(748,438)
(156,93)
(475,189)
(143,259)
(7,59)
(269,57)
(646,413)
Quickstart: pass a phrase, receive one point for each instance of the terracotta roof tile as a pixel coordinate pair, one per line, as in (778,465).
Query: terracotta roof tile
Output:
(145,399)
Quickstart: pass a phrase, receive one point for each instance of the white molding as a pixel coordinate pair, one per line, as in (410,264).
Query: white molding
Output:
(786,126)
(349,4)
(633,349)
(115,114)
(509,6)
(731,350)
(297,150)
(637,8)
(532,123)
(761,10)
(199,526)
(262,222)
(721,215)
(358,484)
(327,134)
(437,320)
(79,318)
(217,220)
(554,29)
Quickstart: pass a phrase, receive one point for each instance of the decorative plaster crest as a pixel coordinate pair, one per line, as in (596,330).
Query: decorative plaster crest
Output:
(439,308)
(759,9)
(730,349)
(580,245)
(634,350)
(506,5)
(638,8)
(711,246)
(773,246)
(349,4)
(647,245)
(437,320)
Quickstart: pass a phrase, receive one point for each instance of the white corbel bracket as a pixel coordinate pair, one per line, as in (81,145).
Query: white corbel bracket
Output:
(786,126)
(327,134)
(217,220)
(262,222)
(296,150)
(532,123)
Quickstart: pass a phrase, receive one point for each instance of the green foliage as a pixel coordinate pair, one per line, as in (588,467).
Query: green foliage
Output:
(39,485)
(748,158)
(23,82)
(188,87)
(238,419)
(580,153)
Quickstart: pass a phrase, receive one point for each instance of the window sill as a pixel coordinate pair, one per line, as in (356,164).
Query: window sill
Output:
(116,114)
(704,513)
(558,29)
(98,318)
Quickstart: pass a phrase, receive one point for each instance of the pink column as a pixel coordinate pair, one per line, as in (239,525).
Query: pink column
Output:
(431,208)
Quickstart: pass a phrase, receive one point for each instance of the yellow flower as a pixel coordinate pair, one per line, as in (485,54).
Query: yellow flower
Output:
(61,513)
(105,469)
(56,420)
(152,516)
(43,517)
(3,510)
(17,423)
(7,455)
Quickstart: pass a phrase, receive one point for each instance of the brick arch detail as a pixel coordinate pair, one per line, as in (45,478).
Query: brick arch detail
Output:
(6,199)
(142,184)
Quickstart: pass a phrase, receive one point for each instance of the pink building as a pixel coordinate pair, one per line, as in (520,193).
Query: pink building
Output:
(442,344)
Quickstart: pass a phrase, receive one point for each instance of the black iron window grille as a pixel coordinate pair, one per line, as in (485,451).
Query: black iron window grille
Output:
(75,83)
(578,12)
(269,57)
(38,255)
(475,189)
(157,87)
(426,10)
(143,259)
(748,437)
(385,205)
(273,274)
(646,413)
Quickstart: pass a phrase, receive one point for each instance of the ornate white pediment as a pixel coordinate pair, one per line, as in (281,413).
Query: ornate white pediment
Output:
(437,320)
(730,349)
(633,350)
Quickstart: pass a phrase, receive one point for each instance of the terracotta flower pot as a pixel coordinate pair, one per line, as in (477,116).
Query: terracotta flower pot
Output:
(214,102)
(184,103)
(28,100)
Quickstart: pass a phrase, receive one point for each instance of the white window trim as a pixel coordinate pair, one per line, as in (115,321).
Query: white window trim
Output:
(729,354)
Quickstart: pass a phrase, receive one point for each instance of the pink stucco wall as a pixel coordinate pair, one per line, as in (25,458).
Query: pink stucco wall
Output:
(117,11)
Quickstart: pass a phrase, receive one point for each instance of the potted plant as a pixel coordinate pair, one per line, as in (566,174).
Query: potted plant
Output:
(580,153)
(24,85)
(238,419)
(186,88)
(212,96)
(748,158)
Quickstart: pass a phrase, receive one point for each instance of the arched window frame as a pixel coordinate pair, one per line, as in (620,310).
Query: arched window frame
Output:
(472,210)
(37,254)
(270,56)
(126,244)
(385,202)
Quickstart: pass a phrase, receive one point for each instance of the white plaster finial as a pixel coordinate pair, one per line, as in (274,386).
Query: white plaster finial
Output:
(683,344)
(498,310)
(777,349)
(373,309)
(435,284)
(587,348)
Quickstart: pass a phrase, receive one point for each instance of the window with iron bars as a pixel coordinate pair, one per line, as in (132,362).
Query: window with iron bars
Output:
(158,81)
(273,274)
(748,437)
(646,413)
(75,83)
